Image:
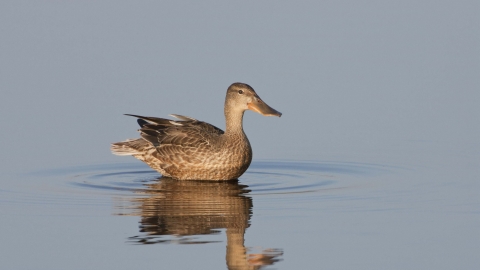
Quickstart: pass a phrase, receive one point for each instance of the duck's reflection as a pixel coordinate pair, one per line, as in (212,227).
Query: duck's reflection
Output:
(177,211)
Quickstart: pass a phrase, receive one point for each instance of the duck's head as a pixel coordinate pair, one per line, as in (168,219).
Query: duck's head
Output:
(241,96)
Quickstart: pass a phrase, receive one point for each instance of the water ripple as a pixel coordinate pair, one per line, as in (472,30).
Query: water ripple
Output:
(272,178)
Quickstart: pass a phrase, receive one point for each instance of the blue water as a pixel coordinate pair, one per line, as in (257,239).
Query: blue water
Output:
(282,213)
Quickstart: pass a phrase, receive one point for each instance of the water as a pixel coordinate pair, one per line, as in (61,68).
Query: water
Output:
(190,212)
(374,163)
(281,213)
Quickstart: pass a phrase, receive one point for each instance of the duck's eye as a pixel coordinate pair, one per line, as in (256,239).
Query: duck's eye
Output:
(240,92)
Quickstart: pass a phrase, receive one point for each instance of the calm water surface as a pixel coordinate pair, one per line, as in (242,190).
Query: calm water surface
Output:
(281,213)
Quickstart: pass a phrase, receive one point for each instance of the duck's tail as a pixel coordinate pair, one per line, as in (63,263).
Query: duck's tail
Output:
(129,147)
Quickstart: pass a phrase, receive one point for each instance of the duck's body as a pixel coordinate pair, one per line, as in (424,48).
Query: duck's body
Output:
(188,149)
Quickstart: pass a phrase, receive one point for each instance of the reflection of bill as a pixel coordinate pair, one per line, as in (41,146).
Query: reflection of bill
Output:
(177,211)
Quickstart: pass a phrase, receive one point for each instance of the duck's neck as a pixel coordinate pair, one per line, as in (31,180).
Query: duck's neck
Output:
(234,119)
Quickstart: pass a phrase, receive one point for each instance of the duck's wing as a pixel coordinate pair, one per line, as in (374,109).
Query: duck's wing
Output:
(184,121)
(204,126)
(182,138)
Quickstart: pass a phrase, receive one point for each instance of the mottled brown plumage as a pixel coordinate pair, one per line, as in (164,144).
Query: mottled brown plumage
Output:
(188,149)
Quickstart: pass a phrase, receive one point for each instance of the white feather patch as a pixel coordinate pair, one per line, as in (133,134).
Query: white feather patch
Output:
(175,123)
(183,117)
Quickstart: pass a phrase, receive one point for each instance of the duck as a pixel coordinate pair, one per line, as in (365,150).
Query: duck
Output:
(189,149)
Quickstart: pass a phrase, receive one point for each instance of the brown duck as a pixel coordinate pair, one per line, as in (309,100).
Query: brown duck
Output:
(188,149)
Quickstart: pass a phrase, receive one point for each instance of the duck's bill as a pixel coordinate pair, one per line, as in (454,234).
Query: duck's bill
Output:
(257,105)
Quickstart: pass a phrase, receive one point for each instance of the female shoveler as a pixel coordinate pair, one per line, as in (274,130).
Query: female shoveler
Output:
(188,149)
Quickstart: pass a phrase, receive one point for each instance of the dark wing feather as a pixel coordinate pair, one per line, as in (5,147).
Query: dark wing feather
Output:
(178,138)
(141,122)
(155,120)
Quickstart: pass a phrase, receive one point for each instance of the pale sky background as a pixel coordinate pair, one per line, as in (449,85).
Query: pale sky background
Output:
(348,76)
